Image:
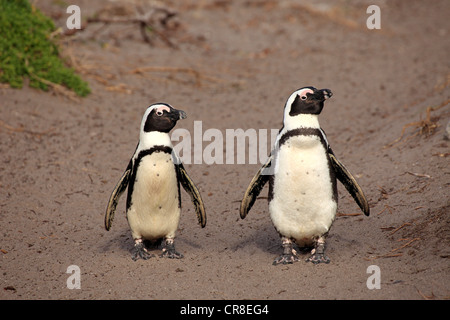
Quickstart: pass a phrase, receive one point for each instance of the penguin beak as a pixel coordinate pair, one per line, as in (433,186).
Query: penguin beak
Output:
(182,114)
(322,94)
(326,93)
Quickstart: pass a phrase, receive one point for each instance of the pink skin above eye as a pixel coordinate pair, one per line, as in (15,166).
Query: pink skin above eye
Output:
(302,93)
(162,108)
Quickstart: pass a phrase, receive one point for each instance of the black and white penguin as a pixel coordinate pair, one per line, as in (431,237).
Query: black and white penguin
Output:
(302,171)
(153,177)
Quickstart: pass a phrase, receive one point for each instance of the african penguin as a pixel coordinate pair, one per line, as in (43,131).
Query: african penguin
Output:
(153,177)
(302,171)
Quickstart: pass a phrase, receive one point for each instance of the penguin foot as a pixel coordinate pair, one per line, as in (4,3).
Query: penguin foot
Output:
(318,254)
(169,250)
(171,254)
(289,255)
(140,251)
(285,259)
(318,258)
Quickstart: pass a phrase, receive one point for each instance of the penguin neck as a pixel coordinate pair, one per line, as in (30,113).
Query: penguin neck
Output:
(301,121)
(154,138)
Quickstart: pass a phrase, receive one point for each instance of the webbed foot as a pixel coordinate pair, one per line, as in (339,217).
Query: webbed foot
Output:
(140,251)
(169,250)
(285,259)
(289,255)
(318,258)
(318,253)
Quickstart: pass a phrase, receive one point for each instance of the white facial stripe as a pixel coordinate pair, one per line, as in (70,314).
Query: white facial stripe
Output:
(158,107)
(150,109)
(162,108)
(287,117)
(303,92)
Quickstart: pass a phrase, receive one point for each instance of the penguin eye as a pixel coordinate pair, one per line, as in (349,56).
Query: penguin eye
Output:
(159,113)
(303,97)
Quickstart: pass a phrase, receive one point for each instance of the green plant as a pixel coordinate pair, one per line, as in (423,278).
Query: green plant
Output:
(28,50)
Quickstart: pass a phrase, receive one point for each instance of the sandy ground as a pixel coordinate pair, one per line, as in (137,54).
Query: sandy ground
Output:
(234,65)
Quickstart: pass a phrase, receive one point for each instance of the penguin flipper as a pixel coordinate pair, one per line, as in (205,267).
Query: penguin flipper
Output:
(347,179)
(254,188)
(190,188)
(120,187)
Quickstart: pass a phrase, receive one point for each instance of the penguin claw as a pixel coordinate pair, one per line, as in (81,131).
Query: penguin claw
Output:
(169,251)
(318,253)
(171,254)
(140,252)
(285,259)
(317,258)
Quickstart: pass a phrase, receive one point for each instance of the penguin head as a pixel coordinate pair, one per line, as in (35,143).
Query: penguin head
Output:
(161,117)
(307,100)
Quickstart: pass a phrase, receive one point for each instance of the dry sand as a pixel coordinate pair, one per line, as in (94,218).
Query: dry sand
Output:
(234,65)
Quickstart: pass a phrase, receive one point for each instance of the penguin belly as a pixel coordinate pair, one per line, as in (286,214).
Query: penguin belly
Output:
(154,212)
(303,206)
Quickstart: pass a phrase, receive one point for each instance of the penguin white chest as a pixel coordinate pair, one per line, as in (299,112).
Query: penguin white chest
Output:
(154,212)
(303,206)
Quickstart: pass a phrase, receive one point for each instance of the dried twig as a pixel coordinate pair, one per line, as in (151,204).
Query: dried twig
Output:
(426,297)
(145,21)
(406,244)
(426,127)
(419,190)
(393,253)
(383,193)
(57,88)
(442,155)
(386,207)
(402,226)
(387,255)
(122,88)
(418,174)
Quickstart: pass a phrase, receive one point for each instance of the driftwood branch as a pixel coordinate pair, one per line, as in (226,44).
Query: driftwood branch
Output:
(146,21)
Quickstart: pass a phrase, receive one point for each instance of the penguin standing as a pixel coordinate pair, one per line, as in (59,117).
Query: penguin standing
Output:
(302,171)
(153,177)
